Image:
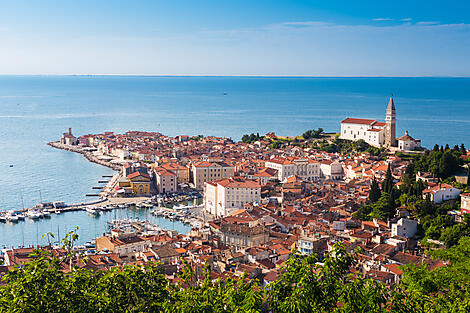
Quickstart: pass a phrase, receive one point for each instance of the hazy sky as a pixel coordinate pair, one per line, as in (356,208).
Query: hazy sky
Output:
(237,37)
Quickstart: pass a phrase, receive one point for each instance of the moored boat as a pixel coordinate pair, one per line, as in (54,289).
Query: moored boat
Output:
(34,215)
(12,218)
(92,211)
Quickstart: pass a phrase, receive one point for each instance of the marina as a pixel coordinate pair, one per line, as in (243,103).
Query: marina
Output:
(25,228)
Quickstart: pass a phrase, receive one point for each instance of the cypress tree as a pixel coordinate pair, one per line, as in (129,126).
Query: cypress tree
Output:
(374,192)
(436,147)
(447,147)
(387,184)
(463,151)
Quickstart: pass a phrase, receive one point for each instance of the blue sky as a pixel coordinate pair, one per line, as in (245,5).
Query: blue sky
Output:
(291,38)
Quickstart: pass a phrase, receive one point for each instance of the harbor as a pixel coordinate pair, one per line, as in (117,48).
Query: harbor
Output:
(47,222)
(29,227)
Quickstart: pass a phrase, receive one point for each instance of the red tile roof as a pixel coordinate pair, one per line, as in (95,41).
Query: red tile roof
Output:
(238,182)
(136,174)
(358,121)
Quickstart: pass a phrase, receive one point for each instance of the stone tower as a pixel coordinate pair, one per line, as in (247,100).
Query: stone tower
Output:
(391,124)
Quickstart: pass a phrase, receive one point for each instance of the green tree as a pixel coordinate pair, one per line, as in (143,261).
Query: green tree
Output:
(463,151)
(448,165)
(313,134)
(222,295)
(374,192)
(385,207)
(387,184)
(442,285)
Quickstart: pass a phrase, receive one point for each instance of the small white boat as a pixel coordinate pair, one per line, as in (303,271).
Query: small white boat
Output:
(46,214)
(12,218)
(92,211)
(34,215)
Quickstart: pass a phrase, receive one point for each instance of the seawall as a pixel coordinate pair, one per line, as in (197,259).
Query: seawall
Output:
(88,155)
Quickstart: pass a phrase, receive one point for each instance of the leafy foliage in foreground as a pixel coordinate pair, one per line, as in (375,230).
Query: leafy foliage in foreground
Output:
(448,287)
(304,286)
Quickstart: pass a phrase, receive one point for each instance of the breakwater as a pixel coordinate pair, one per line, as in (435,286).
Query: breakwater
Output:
(87,154)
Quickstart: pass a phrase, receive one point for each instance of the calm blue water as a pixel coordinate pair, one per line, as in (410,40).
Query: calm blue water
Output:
(37,109)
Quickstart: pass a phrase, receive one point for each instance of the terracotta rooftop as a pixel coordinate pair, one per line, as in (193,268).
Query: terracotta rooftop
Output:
(358,121)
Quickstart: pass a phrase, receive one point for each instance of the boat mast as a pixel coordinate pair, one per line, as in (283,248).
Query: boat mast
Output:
(21,195)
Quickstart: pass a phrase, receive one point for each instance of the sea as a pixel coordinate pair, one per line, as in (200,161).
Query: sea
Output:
(35,110)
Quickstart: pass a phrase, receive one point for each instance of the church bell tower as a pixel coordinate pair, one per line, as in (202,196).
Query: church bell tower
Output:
(391,124)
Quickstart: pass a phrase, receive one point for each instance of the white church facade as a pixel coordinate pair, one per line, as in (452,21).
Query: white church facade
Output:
(373,132)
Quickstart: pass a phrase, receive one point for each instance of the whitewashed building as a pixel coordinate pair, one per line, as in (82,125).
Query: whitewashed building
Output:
(224,197)
(441,193)
(331,169)
(465,203)
(408,143)
(307,169)
(404,228)
(373,132)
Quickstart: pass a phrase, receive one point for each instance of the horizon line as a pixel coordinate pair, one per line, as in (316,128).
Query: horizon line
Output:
(245,76)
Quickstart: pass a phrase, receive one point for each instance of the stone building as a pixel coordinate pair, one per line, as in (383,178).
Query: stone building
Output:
(68,138)
(205,171)
(391,125)
(243,236)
